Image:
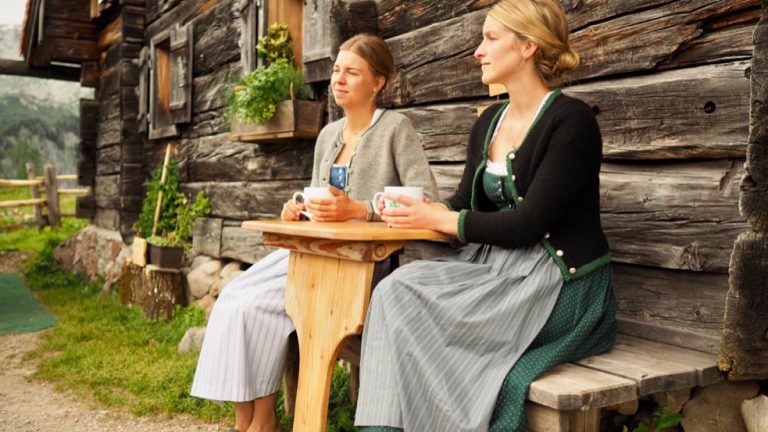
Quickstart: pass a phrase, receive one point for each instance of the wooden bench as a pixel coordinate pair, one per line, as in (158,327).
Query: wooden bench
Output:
(570,397)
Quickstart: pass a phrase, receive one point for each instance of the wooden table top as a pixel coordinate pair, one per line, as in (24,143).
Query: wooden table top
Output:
(360,231)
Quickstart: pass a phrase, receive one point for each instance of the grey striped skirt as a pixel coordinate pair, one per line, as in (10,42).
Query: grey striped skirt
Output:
(440,336)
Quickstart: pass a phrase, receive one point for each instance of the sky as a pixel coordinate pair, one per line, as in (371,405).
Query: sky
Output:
(12,11)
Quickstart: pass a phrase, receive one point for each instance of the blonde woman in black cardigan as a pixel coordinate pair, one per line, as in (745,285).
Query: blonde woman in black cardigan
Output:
(453,345)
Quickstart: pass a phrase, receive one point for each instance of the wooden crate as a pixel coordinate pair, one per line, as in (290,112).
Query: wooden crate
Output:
(293,119)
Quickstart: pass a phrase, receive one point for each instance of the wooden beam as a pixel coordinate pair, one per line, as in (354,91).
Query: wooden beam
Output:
(20,183)
(19,203)
(20,68)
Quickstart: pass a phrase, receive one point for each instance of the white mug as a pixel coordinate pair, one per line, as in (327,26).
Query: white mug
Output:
(311,193)
(415,192)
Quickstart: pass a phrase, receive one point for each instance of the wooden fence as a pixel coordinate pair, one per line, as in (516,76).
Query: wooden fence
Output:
(48,184)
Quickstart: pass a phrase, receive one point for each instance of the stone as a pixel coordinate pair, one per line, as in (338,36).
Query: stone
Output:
(192,340)
(230,277)
(199,260)
(206,303)
(716,408)
(95,252)
(755,413)
(231,267)
(202,278)
(215,288)
(672,400)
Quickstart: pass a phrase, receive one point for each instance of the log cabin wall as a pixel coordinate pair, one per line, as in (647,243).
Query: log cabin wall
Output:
(117,155)
(668,81)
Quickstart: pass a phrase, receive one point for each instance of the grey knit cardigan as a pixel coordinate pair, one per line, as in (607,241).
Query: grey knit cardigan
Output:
(389,153)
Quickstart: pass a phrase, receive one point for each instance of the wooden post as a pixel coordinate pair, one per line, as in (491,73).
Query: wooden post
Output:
(162,291)
(162,182)
(52,196)
(34,192)
(744,346)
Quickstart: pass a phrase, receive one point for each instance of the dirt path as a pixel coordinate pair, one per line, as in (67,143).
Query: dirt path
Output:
(34,406)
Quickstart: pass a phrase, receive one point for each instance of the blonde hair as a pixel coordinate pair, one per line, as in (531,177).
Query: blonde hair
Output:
(374,51)
(543,22)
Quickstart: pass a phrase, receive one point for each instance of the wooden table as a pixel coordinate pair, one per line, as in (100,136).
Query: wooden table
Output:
(330,272)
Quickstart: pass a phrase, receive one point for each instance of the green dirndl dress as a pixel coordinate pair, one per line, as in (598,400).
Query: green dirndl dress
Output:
(582,324)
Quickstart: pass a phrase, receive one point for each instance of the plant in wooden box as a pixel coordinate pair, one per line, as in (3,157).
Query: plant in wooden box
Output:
(167,216)
(268,104)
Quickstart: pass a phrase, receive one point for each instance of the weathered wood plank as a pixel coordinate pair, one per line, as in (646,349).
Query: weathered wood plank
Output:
(704,363)
(692,301)
(241,200)
(206,236)
(650,374)
(106,191)
(396,17)
(669,335)
(215,159)
(693,113)
(212,91)
(242,245)
(108,160)
(655,214)
(572,387)
(174,11)
(215,39)
(73,50)
(89,110)
(654,37)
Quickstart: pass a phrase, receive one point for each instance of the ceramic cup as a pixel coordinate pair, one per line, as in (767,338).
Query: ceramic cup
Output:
(415,192)
(311,193)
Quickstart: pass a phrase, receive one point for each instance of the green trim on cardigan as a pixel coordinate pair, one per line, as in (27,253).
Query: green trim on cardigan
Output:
(581,271)
(461,235)
(447,204)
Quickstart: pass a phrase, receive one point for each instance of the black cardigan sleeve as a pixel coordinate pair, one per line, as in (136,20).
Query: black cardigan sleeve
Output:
(572,158)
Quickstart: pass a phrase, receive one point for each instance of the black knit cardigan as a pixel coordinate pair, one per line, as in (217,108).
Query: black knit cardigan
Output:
(554,176)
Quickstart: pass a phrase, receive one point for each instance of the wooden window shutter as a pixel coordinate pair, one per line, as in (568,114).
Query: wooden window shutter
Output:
(181,74)
(143,90)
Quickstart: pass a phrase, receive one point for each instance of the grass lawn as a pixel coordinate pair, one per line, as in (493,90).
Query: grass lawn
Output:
(107,351)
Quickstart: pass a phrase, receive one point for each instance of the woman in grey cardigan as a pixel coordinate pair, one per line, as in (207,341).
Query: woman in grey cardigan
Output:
(244,350)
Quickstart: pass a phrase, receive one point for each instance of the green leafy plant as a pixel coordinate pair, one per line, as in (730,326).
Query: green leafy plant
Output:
(177,212)
(255,98)
(277,44)
(662,420)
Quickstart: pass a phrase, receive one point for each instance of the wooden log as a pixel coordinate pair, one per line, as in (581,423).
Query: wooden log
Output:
(396,17)
(753,202)
(21,203)
(242,200)
(89,110)
(654,214)
(106,218)
(215,159)
(744,349)
(51,196)
(33,181)
(108,160)
(75,192)
(755,413)
(452,73)
(206,236)
(715,97)
(162,292)
(214,43)
(242,245)
(106,191)
(173,11)
(692,301)
(212,91)
(669,335)
(74,50)
(57,72)
(131,284)
(85,207)
(34,193)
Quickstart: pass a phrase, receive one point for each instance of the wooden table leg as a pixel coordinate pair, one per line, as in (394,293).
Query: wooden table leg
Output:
(335,293)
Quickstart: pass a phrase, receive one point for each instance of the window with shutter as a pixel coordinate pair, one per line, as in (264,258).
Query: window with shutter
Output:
(142,90)
(181,74)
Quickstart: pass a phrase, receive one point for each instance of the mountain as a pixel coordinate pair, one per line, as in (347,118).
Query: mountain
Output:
(38,117)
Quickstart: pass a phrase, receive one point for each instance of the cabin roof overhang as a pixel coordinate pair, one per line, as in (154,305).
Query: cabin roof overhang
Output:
(58,31)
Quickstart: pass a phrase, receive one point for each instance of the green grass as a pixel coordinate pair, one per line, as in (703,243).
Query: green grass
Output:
(104,350)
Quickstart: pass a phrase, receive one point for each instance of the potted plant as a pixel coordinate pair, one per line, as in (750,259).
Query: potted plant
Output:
(168,231)
(270,103)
